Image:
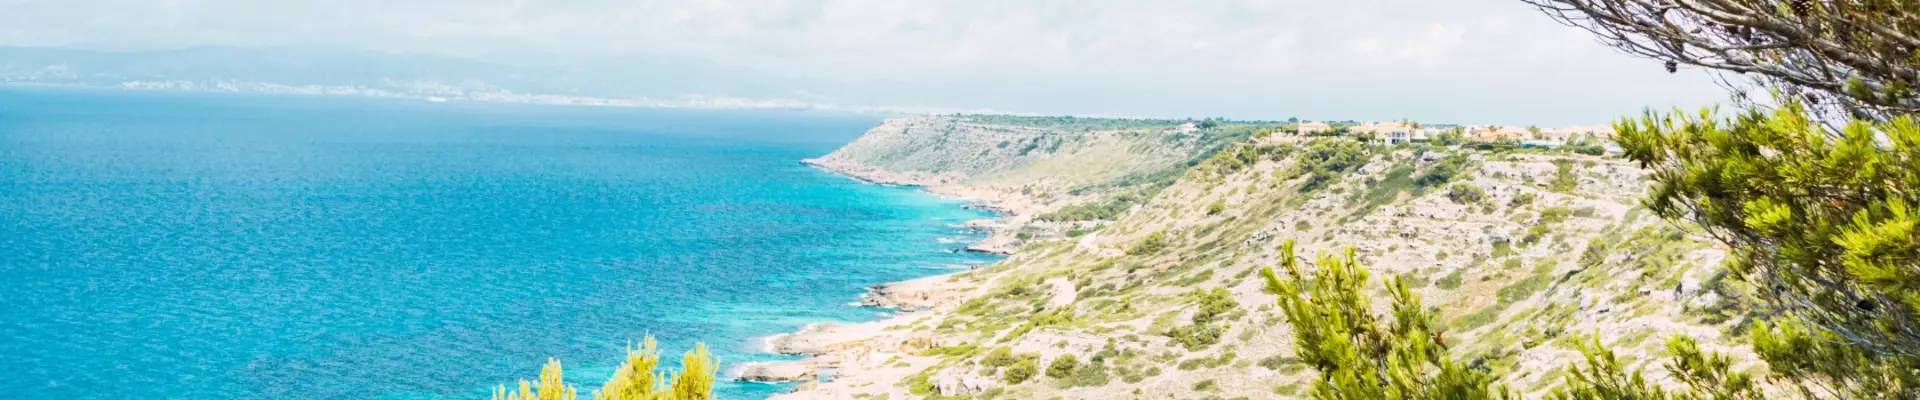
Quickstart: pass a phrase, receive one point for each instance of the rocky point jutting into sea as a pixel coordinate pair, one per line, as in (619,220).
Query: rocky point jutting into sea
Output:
(1118,230)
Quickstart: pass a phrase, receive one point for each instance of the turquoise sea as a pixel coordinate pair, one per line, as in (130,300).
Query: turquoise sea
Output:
(199,246)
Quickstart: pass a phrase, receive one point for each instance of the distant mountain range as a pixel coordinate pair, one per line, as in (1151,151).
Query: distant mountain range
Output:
(649,80)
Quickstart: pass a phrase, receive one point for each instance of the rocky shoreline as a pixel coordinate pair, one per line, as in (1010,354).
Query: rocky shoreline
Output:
(854,349)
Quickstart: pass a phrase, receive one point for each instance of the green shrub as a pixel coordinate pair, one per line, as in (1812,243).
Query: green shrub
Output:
(1217,207)
(1196,337)
(999,357)
(1325,159)
(1063,366)
(961,350)
(919,384)
(1020,371)
(1152,244)
(1465,193)
(1441,172)
(1093,374)
(1522,199)
(1449,282)
(1563,179)
(1212,304)
(1275,362)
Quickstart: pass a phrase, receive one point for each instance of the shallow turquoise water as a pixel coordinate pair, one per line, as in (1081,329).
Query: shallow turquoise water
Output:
(248,247)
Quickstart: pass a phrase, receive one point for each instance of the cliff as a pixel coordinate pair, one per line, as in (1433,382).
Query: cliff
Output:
(1523,252)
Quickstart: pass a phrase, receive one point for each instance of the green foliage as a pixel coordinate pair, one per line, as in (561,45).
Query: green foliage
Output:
(1063,366)
(919,384)
(1133,189)
(1501,248)
(1325,159)
(1091,374)
(1211,304)
(1276,362)
(1196,337)
(634,379)
(1450,282)
(1465,193)
(1522,199)
(1208,362)
(1563,178)
(1021,371)
(1707,375)
(1824,218)
(1441,171)
(961,350)
(1101,210)
(999,357)
(1217,207)
(1238,157)
(1152,244)
(1358,355)
(1450,137)
(1397,180)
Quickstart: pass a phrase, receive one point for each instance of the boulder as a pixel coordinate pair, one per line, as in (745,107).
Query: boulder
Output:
(779,371)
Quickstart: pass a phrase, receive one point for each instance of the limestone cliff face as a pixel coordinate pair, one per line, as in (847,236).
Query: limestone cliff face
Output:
(1521,252)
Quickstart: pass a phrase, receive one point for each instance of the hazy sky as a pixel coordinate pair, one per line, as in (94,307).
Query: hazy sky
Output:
(1474,61)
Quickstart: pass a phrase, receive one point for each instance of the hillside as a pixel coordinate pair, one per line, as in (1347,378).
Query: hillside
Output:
(1028,166)
(1523,252)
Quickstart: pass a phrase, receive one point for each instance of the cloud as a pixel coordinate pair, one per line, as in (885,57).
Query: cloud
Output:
(1464,59)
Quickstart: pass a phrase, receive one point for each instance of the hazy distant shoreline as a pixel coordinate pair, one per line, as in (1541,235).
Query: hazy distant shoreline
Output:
(499,97)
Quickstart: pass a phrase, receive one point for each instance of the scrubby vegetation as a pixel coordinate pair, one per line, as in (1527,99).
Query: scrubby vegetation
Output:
(635,379)
(1324,160)
(1358,355)
(1441,171)
(1152,244)
(1465,193)
(1131,190)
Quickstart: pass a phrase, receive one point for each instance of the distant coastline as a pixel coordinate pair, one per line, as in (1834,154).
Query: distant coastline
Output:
(435,94)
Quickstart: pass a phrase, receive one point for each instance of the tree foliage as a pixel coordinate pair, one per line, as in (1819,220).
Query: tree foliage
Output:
(1855,58)
(1441,171)
(1358,355)
(635,379)
(1824,221)
(1325,159)
(1021,371)
(1150,245)
(1708,376)
(1063,366)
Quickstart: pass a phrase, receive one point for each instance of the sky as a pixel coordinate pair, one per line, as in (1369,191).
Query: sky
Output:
(1461,61)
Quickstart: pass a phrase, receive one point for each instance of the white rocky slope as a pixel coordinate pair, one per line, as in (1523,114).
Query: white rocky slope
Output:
(1554,248)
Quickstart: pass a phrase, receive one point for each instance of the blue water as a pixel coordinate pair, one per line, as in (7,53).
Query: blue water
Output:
(187,246)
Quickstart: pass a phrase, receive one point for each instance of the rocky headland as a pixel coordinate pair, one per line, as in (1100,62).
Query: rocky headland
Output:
(1117,231)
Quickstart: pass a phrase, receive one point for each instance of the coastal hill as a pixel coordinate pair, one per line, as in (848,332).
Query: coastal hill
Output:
(1135,250)
(1028,166)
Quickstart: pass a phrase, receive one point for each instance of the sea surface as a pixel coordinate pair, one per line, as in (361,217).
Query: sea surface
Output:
(201,246)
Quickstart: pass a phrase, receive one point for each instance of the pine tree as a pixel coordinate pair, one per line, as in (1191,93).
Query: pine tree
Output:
(550,387)
(1359,356)
(1821,219)
(635,379)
